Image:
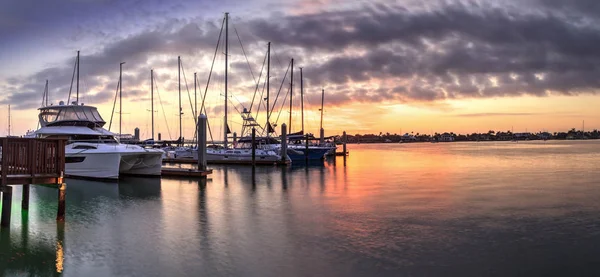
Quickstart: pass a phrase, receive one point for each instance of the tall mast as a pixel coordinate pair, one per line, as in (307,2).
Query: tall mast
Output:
(268,78)
(77,99)
(226,65)
(120,96)
(152,99)
(179,82)
(302,97)
(195,108)
(291,93)
(322,100)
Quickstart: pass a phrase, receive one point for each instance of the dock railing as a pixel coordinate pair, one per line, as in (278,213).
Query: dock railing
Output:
(31,161)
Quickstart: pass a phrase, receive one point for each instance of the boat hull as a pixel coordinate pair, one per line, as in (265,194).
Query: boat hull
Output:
(111,161)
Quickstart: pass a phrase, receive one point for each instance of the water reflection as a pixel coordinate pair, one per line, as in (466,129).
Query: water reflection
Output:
(393,210)
(139,187)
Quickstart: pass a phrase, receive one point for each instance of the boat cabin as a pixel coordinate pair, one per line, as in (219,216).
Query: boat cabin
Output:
(70,115)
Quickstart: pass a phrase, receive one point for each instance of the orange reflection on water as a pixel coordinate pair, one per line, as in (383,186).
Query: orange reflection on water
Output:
(60,257)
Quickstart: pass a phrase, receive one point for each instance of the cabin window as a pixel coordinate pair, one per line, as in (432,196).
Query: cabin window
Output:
(70,160)
(84,147)
(236,152)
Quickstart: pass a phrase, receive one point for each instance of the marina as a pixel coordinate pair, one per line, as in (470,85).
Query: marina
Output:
(302,138)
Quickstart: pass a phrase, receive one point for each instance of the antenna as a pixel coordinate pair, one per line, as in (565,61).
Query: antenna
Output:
(77,99)
(9,120)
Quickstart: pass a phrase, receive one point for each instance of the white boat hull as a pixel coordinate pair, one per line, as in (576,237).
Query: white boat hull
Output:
(110,161)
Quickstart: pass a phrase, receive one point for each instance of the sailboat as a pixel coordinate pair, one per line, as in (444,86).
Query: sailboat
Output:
(91,150)
(239,154)
(296,148)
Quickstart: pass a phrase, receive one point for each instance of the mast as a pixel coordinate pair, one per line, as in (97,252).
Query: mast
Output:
(152,99)
(291,93)
(195,108)
(268,78)
(77,99)
(226,65)
(179,82)
(302,97)
(322,100)
(120,97)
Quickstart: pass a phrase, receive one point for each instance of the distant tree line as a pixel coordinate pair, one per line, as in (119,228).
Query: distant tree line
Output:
(491,135)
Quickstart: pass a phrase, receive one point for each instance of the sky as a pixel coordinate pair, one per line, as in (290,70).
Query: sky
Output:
(384,66)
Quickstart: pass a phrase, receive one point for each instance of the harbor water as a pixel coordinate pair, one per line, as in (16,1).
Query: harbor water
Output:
(422,209)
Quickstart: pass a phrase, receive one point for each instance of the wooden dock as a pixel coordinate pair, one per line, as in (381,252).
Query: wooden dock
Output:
(184,172)
(26,161)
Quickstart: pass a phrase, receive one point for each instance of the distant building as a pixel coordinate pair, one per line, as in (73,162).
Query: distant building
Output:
(446,137)
(408,138)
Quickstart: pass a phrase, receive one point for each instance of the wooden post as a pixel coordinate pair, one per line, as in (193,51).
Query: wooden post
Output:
(283,143)
(25,200)
(6,206)
(322,138)
(253,146)
(345,139)
(201,142)
(344,146)
(306,150)
(62,190)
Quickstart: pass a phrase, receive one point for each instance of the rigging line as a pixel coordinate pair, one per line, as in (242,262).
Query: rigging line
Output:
(161,106)
(282,105)
(189,97)
(276,57)
(210,75)
(233,104)
(72,79)
(258,82)
(114,104)
(261,103)
(244,51)
(262,93)
(281,86)
(207,121)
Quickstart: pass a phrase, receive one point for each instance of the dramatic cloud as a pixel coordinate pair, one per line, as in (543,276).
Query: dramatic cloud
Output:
(400,52)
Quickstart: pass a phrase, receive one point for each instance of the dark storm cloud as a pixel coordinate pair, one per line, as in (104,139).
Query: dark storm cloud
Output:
(372,53)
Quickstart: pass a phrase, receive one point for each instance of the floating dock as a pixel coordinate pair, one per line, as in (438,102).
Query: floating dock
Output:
(194,161)
(184,172)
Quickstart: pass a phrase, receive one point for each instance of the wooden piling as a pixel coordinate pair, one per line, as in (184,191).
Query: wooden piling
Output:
(306,149)
(322,137)
(25,199)
(6,206)
(283,142)
(345,139)
(253,146)
(62,191)
(201,147)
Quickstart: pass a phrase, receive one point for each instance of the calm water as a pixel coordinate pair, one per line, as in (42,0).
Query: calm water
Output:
(456,209)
